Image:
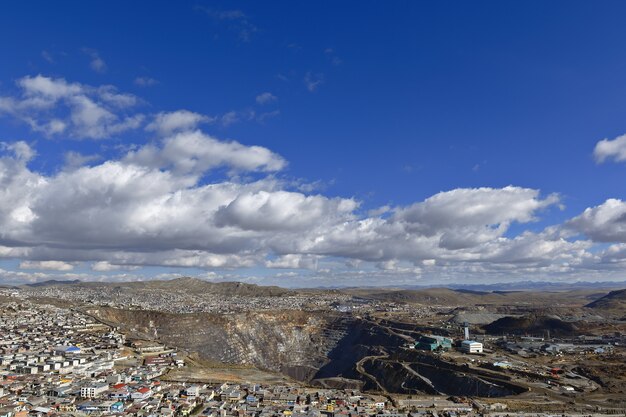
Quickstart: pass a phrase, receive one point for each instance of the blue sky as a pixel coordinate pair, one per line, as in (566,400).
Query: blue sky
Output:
(389,130)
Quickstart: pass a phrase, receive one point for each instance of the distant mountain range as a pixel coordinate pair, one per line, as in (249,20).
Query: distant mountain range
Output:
(51,282)
(505,286)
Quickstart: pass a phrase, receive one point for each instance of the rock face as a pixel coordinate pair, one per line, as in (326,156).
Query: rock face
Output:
(277,341)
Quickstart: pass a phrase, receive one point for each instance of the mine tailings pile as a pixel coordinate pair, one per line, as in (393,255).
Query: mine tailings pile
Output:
(413,372)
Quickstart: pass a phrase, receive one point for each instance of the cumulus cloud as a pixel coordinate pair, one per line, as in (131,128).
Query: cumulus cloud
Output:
(75,160)
(603,223)
(149,208)
(610,149)
(191,200)
(46,265)
(229,118)
(195,152)
(122,214)
(293,261)
(465,217)
(22,150)
(54,106)
(105,266)
(166,123)
(282,210)
(453,225)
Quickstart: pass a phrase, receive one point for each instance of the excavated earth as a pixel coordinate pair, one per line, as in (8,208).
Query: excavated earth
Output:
(319,348)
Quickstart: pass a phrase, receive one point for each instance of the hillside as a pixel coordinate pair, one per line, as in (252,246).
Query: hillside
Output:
(615,300)
(531,325)
(52,282)
(185,284)
(461,297)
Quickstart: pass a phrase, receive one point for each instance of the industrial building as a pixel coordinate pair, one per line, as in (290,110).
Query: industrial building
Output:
(431,343)
(471,346)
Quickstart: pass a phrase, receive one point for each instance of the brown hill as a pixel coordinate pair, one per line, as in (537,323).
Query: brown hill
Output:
(531,325)
(188,285)
(450,297)
(615,300)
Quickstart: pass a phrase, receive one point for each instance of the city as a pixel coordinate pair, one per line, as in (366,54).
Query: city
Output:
(382,208)
(63,351)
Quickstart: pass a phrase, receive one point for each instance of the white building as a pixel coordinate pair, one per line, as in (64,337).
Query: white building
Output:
(192,391)
(471,346)
(92,391)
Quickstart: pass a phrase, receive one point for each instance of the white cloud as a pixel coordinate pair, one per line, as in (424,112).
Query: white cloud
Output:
(266,98)
(603,223)
(153,206)
(195,152)
(22,150)
(104,266)
(455,225)
(47,265)
(166,123)
(282,210)
(53,106)
(379,211)
(110,95)
(465,217)
(229,118)
(92,120)
(292,261)
(75,160)
(610,149)
(149,208)
(39,88)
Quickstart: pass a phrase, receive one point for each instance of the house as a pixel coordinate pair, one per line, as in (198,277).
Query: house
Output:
(93,390)
(192,391)
(142,393)
(120,394)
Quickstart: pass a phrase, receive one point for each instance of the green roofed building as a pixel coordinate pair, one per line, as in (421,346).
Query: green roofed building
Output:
(431,343)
